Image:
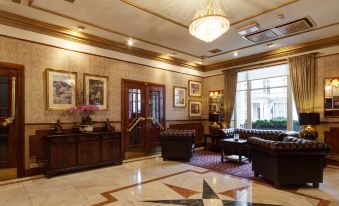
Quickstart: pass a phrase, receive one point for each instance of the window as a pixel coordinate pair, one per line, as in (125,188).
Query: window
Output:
(264,100)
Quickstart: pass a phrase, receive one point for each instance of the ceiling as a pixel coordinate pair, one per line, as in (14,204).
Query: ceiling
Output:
(162,26)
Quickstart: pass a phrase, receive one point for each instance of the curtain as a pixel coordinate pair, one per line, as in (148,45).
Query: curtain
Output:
(230,89)
(302,81)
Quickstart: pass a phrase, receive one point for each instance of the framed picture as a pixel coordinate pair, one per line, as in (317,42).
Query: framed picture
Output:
(96,90)
(179,96)
(61,89)
(195,88)
(213,107)
(194,108)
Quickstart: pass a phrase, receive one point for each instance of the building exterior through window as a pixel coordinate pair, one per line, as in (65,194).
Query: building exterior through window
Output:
(264,100)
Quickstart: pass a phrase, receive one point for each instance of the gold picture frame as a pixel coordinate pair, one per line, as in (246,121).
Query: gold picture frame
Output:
(195,88)
(195,108)
(96,90)
(61,89)
(179,97)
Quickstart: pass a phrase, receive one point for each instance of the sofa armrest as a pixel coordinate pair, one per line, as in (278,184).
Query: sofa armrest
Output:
(305,147)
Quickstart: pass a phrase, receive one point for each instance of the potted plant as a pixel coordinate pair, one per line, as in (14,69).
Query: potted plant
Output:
(85,112)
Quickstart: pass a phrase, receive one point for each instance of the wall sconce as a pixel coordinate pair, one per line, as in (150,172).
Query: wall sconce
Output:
(335,82)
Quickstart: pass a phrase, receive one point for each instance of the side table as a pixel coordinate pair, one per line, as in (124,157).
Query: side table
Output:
(235,147)
(214,140)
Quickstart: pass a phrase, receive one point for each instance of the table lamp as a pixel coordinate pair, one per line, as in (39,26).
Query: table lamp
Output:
(309,119)
(215,118)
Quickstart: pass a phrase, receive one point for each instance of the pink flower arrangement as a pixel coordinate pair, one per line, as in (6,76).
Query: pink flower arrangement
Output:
(85,112)
(85,108)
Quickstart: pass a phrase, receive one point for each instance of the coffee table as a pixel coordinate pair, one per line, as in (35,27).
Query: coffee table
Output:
(235,147)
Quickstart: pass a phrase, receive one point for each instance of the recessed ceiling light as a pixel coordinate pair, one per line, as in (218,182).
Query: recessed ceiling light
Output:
(81,28)
(200,61)
(270,45)
(280,17)
(172,54)
(130,42)
(235,53)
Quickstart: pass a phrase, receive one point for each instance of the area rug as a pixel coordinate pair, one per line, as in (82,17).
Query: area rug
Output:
(212,161)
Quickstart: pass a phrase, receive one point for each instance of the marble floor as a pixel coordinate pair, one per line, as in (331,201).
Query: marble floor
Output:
(155,182)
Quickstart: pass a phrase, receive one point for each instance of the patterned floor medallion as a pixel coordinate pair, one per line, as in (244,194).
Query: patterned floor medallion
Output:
(208,195)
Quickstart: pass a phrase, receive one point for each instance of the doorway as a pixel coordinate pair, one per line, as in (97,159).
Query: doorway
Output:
(11,121)
(143,117)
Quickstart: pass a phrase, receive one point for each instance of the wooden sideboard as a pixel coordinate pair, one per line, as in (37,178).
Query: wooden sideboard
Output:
(72,152)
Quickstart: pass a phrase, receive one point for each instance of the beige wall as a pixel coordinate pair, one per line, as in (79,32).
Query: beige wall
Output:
(326,66)
(36,58)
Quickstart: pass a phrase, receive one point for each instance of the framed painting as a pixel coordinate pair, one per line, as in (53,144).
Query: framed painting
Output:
(61,89)
(96,90)
(213,107)
(194,108)
(195,88)
(179,96)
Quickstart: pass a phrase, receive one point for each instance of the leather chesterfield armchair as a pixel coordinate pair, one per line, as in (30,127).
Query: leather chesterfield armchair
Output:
(177,144)
(291,161)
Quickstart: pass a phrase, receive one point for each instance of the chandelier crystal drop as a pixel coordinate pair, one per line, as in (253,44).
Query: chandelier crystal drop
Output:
(209,21)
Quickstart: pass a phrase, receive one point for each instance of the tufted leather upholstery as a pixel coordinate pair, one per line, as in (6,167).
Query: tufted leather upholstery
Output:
(289,161)
(290,145)
(177,144)
(276,135)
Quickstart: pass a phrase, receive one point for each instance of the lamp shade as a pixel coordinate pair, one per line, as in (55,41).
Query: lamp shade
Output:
(309,118)
(214,117)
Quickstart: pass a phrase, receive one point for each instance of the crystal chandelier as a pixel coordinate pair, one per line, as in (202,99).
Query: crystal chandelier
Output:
(209,21)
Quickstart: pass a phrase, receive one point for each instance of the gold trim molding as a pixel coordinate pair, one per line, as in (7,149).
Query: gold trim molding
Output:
(30,4)
(25,23)
(282,52)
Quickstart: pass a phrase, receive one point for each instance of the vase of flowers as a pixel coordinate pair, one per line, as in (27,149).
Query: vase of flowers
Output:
(85,112)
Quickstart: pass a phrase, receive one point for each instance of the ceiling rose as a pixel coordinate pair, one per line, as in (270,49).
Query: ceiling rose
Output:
(209,21)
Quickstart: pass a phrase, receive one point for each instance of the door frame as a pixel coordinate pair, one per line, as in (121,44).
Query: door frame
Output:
(123,83)
(20,115)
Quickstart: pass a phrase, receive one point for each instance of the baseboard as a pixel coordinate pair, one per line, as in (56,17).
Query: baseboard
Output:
(34,171)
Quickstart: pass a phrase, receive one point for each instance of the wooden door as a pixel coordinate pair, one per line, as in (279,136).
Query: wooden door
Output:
(155,114)
(8,124)
(143,110)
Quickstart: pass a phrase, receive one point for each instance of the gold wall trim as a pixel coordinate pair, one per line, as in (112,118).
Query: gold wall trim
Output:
(285,51)
(21,22)
(30,4)
(153,67)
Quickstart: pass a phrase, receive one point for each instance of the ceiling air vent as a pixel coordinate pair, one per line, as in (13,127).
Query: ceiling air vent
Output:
(293,27)
(261,36)
(214,51)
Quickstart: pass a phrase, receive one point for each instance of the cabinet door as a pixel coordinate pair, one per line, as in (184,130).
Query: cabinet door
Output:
(111,148)
(62,155)
(89,149)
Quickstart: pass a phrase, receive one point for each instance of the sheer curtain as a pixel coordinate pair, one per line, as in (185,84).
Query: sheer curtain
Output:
(302,81)
(230,89)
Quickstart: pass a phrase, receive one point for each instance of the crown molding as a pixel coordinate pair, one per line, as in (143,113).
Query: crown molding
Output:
(31,4)
(278,53)
(29,24)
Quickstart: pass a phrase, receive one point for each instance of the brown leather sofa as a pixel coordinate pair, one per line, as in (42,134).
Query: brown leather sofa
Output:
(246,133)
(177,144)
(290,161)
